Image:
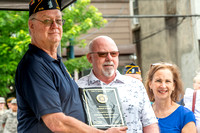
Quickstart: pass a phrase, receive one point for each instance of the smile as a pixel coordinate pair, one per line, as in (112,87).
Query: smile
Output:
(162,91)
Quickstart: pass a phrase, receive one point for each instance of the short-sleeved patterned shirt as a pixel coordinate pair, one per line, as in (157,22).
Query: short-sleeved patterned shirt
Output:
(135,103)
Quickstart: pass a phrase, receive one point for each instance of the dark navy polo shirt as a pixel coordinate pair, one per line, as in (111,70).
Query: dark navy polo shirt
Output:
(44,86)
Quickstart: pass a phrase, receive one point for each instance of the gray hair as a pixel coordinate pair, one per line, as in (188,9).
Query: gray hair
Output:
(197,77)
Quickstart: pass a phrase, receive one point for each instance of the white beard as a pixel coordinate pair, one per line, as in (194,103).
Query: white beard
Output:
(108,72)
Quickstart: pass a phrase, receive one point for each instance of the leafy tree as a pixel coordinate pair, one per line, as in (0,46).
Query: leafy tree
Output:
(80,63)
(79,18)
(14,38)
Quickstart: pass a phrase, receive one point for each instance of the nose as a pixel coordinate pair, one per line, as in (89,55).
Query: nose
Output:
(163,85)
(109,57)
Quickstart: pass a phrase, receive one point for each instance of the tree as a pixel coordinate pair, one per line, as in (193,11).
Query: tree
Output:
(80,64)
(79,18)
(14,38)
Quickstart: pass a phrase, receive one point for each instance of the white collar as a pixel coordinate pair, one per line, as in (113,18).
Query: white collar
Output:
(92,79)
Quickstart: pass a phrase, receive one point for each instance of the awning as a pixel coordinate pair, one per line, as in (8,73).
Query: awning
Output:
(23,5)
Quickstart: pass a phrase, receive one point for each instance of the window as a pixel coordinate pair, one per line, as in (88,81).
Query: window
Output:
(134,11)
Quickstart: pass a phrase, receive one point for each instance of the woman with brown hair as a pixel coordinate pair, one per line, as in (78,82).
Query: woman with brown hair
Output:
(164,88)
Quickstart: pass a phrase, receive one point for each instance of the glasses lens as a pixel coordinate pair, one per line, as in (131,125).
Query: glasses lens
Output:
(47,22)
(102,54)
(114,54)
(59,22)
(105,54)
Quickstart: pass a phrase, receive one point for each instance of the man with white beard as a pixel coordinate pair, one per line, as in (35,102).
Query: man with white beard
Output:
(103,55)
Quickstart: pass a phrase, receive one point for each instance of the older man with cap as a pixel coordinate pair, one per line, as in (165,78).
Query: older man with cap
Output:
(133,70)
(47,97)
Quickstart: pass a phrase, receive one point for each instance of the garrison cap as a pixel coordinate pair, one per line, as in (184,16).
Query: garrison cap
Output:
(132,69)
(41,5)
(10,99)
(2,100)
(14,101)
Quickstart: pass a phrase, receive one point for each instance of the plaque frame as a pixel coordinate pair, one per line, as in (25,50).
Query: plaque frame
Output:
(101,98)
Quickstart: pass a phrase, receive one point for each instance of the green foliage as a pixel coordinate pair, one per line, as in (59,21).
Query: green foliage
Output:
(14,40)
(79,18)
(79,64)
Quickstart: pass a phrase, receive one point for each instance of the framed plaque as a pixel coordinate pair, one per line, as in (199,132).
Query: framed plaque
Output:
(102,107)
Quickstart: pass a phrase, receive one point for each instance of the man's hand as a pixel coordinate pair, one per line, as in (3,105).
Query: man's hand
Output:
(117,130)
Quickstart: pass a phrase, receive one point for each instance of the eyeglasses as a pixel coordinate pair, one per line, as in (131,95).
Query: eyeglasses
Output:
(105,54)
(47,22)
(162,63)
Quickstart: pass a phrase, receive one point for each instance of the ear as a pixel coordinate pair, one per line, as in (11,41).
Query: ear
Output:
(30,24)
(89,58)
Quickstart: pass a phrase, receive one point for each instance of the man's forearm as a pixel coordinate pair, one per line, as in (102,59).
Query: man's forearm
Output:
(60,123)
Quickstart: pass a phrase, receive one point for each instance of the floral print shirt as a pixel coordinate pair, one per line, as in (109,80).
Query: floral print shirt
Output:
(135,103)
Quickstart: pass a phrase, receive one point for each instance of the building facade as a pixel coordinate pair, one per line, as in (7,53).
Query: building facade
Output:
(152,39)
(170,39)
(119,29)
